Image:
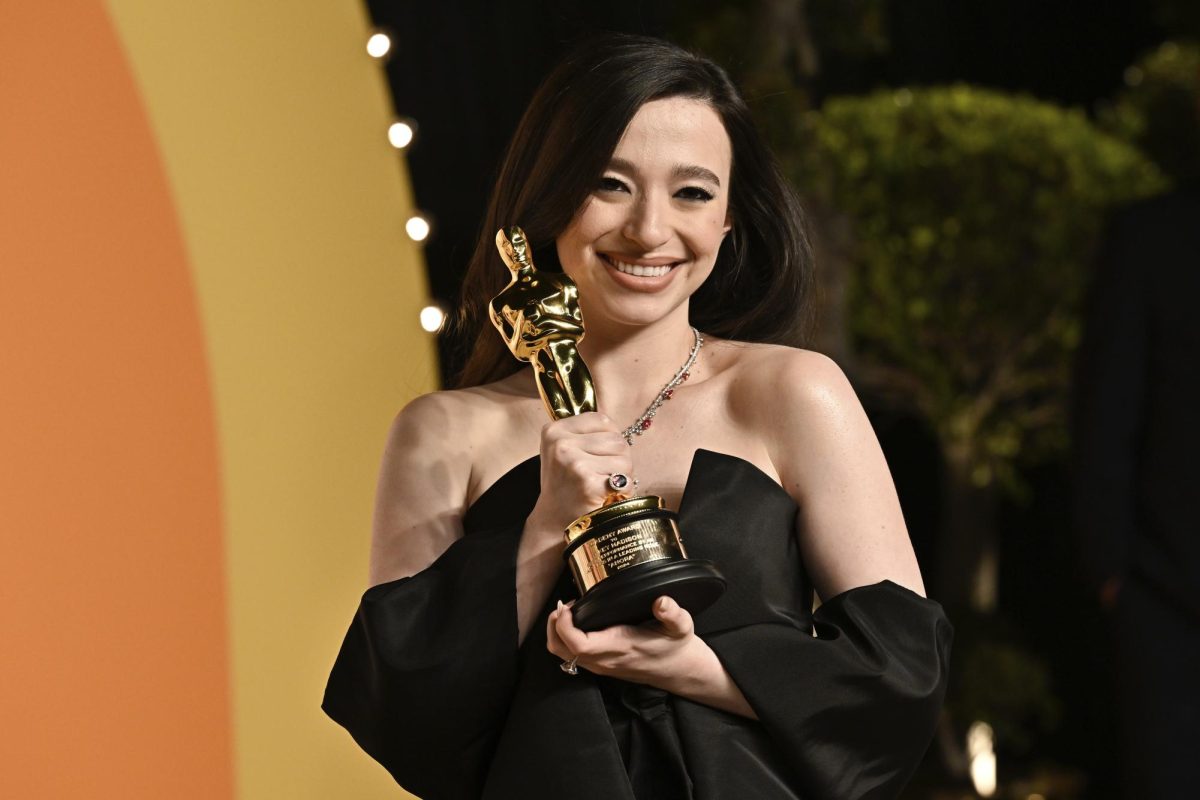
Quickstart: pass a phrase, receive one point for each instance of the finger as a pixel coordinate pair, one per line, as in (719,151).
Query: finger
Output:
(588,422)
(606,453)
(566,449)
(590,466)
(573,639)
(553,642)
(606,643)
(603,443)
(674,618)
(590,475)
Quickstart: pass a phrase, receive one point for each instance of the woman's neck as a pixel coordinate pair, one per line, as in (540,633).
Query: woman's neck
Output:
(630,366)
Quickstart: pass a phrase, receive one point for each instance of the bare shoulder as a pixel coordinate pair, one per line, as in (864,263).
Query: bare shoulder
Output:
(447,430)
(426,475)
(803,408)
(443,421)
(760,356)
(801,404)
(770,384)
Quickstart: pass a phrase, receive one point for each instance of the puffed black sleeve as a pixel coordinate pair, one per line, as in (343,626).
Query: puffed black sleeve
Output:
(853,709)
(428,668)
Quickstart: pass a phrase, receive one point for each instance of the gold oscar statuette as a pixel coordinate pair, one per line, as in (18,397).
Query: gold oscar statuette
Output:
(628,552)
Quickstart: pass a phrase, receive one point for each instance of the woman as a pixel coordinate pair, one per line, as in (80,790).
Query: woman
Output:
(637,172)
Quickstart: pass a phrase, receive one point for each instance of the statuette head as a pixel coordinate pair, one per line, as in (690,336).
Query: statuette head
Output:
(514,248)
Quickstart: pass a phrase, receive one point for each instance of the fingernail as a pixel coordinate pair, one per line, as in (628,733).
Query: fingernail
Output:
(662,604)
(560,606)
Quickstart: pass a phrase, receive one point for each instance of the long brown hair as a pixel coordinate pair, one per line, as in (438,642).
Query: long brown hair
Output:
(759,289)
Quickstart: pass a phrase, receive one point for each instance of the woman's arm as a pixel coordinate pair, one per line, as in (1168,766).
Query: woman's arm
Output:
(422,488)
(851,528)
(539,563)
(437,630)
(577,454)
(426,472)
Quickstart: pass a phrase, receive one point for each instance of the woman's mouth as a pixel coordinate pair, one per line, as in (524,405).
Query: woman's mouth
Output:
(638,270)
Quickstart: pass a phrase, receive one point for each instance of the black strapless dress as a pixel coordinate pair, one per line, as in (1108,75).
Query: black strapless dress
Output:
(431,684)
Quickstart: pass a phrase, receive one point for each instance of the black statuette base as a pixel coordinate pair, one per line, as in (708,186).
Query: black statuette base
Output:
(627,597)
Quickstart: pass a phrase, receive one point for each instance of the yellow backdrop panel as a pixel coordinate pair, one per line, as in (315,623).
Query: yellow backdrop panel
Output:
(272,124)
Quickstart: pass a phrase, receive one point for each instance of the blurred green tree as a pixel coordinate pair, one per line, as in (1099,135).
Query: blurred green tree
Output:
(973,217)
(1158,110)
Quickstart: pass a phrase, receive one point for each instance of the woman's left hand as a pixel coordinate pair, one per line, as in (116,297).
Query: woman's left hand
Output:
(661,654)
(666,654)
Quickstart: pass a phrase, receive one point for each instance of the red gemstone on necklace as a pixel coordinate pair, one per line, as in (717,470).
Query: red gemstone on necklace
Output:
(667,394)
(645,424)
(687,375)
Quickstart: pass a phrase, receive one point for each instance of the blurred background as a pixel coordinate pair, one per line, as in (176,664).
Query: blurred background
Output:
(230,234)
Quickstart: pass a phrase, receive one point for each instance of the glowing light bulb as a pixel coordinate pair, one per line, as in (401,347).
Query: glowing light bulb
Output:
(982,754)
(417,228)
(432,318)
(401,133)
(379,45)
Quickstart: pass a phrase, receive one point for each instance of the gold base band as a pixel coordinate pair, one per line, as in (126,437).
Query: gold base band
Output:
(620,536)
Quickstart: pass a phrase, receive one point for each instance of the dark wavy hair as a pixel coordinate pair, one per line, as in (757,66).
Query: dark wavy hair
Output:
(760,287)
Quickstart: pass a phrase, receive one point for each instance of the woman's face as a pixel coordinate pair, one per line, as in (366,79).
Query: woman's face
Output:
(648,236)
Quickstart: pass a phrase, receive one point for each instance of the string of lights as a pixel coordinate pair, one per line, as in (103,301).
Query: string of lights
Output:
(401,134)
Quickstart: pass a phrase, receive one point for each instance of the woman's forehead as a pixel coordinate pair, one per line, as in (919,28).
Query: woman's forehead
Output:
(675,134)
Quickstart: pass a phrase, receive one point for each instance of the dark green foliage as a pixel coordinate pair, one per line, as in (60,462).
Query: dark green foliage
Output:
(720,30)
(1159,109)
(974,216)
(774,49)
(1008,687)
(1178,17)
(851,28)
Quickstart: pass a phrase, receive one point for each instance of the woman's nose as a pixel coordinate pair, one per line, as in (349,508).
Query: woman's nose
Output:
(648,223)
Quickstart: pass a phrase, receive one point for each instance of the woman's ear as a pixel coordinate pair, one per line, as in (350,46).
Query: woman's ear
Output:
(728,225)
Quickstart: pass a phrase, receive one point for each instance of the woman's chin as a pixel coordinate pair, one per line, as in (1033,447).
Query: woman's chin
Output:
(630,315)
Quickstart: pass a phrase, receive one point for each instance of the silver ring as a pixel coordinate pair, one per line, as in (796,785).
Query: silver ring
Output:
(618,481)
(570,667)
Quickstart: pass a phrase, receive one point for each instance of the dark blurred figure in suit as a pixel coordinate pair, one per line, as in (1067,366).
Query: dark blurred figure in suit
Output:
(1137,448)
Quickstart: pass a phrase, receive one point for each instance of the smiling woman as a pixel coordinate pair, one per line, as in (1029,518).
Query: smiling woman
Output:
(648,237)
(637,173)
(557,161)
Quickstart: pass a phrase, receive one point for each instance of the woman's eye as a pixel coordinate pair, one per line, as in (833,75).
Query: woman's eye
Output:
(611,185)
(694,193)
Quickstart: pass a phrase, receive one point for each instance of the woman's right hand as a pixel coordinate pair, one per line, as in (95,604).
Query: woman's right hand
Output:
(578,455)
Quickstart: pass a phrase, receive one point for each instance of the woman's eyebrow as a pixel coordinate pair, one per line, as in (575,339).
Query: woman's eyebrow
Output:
(679,171)
(695,172)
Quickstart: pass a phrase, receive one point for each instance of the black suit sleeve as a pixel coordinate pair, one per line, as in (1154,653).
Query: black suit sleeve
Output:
(425,675)
(853,709)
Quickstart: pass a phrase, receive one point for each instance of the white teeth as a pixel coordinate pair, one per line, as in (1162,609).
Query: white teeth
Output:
(639,270)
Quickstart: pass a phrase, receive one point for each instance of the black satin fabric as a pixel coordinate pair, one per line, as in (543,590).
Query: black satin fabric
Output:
(430,683)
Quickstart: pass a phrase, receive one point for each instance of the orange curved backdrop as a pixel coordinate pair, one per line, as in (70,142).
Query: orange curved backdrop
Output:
(208,316)
(113,573)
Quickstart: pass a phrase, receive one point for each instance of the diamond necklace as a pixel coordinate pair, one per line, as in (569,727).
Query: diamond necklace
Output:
(642,423)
